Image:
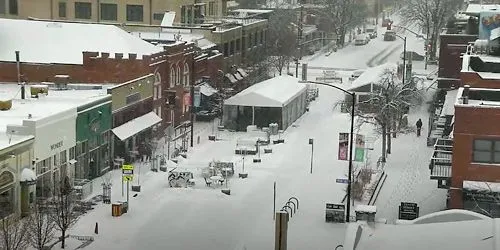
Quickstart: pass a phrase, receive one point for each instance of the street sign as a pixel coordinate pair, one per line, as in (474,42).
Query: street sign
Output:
(127,172)
(127,167)
(345,181)
(128,178)
(408,211)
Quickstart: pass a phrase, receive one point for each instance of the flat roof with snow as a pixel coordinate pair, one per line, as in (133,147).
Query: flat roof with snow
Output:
(479,98)
(274,92)
(476,9)
(55,102)
(63,43)
(371,76)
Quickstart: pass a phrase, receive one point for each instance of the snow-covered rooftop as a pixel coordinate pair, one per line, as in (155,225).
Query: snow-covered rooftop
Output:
(477,103)
(449,102)
(63,43)
(482,186)
(170,36)
(476,9)
(275,92)
(55,102)
(371,75)
(474,233)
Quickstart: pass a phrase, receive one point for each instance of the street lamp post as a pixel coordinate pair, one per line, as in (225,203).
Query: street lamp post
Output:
(351,139)
(404,56)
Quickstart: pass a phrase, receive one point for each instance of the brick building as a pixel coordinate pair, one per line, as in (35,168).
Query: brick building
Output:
(475,178)
(78,51)
(451,48)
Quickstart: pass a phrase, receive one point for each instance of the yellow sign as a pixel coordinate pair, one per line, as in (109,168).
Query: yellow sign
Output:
(127,167)
(128,177)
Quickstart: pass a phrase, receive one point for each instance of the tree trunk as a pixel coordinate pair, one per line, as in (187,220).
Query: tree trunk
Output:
(394,126)
(389,140)
(63,240)
(384,142)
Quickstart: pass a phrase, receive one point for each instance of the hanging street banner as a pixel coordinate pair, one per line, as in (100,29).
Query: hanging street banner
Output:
(359,152)
(343,146)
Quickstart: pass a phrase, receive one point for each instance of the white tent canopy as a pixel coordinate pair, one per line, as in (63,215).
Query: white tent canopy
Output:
(372,75)
(275,92)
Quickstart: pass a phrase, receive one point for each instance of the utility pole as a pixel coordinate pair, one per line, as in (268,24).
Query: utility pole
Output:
(300,30)
(191,94)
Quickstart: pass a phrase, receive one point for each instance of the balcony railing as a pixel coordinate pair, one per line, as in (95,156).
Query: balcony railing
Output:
(440,164)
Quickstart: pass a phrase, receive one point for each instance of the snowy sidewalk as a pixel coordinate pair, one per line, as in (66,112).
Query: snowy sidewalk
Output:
(408,175)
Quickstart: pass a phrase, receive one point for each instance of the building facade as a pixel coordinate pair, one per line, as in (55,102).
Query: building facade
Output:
(16,195)
(93,133)
(476,152)
(108,11)
(451,48)
(134,119)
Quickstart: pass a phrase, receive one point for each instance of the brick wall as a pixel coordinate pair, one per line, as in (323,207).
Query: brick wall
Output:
(475,81)
(451,48)
(466,129)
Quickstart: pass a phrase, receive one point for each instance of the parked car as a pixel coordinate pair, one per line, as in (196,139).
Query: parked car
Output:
(356,74)
(414,56)
(390,35)
(361,39)
(371,31)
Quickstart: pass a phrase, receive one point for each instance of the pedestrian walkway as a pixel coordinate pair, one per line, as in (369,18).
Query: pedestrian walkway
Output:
(408,175)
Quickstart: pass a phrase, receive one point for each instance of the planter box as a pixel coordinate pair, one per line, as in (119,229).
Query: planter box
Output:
(163,169)
(257,160)
(268,150)
(136,188)
(243,176)
(211,137)
(226,191)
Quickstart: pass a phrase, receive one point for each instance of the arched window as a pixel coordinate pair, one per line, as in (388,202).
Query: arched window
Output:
(172,77)
(186,75)
(178,75)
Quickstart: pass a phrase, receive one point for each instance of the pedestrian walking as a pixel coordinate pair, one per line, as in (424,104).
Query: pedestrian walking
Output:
(419,126)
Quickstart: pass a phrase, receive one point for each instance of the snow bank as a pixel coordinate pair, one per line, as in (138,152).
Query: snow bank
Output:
(28,175)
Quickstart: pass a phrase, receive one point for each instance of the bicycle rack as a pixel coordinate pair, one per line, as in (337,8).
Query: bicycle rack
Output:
(292,201)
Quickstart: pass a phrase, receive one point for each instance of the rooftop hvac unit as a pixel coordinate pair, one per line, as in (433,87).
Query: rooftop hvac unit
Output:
(61,82)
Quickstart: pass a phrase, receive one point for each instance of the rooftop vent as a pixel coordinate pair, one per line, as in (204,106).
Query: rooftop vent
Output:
(61,82)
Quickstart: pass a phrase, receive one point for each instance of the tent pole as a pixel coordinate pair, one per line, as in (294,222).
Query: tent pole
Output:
(253,115)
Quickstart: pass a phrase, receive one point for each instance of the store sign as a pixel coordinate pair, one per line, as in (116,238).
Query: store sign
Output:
(6,178)
(56,145)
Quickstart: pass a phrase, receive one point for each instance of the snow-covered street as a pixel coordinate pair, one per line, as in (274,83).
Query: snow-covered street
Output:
(202,217)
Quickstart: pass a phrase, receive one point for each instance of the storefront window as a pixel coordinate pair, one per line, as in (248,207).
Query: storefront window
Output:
(6,203)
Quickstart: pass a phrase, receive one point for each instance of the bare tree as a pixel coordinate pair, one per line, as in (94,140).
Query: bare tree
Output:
(62,212)
(282,38)
(343,15)
(41,227)
(389,99)
(431,16)
(13,234)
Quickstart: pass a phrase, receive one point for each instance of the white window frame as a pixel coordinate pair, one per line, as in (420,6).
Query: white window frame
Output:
(186,74)
(178,75)
(172,76)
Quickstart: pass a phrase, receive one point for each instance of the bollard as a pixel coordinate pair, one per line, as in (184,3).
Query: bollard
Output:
(96,229)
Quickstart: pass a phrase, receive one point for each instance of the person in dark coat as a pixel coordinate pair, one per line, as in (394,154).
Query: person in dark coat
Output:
(419,126)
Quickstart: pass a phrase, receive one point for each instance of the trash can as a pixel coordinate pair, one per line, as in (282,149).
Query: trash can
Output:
(116,209)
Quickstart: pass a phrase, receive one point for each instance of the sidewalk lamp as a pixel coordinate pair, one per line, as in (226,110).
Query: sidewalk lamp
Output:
(404,56)
(351,142)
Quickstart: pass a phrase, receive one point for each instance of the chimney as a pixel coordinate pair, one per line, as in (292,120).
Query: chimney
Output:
(118,55)
(18,64)
(465,94)
(132,56)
